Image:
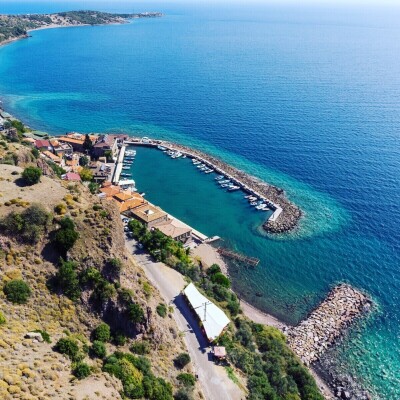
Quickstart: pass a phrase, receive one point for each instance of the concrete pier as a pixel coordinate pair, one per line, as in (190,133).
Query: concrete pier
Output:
(118,165)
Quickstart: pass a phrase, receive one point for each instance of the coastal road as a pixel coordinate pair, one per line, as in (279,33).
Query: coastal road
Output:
(213,378)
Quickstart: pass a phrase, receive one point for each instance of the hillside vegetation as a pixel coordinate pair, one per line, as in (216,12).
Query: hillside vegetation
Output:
(258,352)
(78,318)
(17,26)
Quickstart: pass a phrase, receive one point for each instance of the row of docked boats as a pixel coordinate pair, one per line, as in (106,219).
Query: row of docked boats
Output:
(257,203)
(202,167)
(175,154)
(226,183)
(129,158)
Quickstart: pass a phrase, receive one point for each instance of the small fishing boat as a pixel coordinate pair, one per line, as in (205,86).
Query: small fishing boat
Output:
(224,185)
(209,171)
(219,177)
(162,148)
(232,188)
(254,203)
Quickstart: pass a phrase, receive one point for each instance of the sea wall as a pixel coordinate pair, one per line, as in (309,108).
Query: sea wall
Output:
(310,339)
(290,214)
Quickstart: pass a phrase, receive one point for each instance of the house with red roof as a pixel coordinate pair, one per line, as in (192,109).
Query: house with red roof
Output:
(71,176)
(43,145)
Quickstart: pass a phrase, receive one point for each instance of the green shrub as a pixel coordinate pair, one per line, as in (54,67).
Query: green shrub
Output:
(214,269)
(2,319)
(186,379)
(136,313)
(67,280)
(220,279)
(182,360)
(141,348)
(66,236)
(81,370)
(35,152)
(102,333)
(17,291)
(69,347)
(27,226)
(162,310)
(90,276)
(183,394)
(120,339)
(98,349)
(45,335)
(31,175)
(94,187)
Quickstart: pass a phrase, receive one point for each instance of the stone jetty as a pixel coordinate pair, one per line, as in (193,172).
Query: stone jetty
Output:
(327,322)
(286,214)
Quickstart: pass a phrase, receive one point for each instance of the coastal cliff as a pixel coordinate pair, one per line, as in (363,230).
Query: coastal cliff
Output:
(14,27)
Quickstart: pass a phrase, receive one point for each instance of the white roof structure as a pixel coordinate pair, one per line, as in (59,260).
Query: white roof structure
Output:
(212,317)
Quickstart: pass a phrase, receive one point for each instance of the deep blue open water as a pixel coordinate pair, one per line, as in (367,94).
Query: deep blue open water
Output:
(305,98)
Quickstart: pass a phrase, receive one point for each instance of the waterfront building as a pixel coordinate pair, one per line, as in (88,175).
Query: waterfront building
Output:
(149,215)
(175,229)
(52,157)
(108,143)
(43,145)
(125,199)
(61,149)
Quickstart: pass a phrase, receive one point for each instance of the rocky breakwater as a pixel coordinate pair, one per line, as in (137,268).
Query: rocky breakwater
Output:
(327,322)
(286,220)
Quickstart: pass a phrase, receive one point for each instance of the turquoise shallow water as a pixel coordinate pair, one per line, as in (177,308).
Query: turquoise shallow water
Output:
(305,98)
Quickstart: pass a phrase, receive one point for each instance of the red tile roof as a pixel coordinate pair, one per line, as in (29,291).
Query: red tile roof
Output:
(42,143)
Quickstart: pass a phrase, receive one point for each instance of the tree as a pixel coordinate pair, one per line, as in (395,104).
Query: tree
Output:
(220,279)
(98,349)
(102,333)
(136,313)
(214,269)
(87,144)
(64,239)
(81,370)
(186,379)
(182,360)
(68,346)
(17,291)
(94,187)
(31,175)
(86,174)
(27,226)
(66,236)
(108,154)
(83,161)
(67,280)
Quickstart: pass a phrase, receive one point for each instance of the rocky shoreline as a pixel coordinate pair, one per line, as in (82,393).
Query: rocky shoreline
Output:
(289,217)
(311,338)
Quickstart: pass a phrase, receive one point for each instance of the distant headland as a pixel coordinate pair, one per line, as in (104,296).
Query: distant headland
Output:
(14,27)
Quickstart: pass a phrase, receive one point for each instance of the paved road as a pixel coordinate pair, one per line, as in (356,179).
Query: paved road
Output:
(213,379)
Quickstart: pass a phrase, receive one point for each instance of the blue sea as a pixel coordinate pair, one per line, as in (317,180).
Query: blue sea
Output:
(306,98)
